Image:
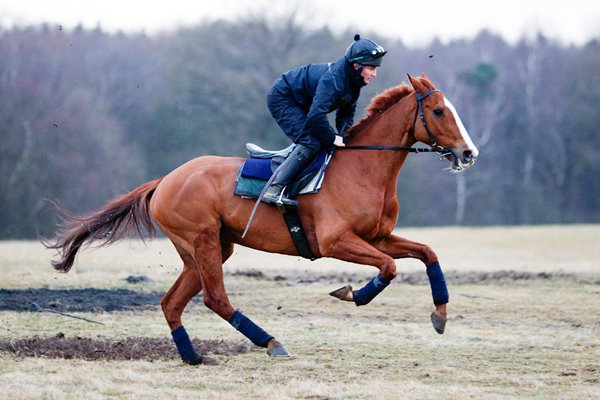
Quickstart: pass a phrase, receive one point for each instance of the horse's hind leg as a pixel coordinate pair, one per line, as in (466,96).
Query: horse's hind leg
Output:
(187,285)
(208,255)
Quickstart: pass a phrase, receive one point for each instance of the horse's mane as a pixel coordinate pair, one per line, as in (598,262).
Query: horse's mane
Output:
(383,102)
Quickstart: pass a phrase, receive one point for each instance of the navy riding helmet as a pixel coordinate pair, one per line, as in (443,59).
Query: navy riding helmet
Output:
(365,52)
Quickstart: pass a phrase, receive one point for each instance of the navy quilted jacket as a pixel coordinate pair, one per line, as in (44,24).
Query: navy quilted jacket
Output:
(323,88)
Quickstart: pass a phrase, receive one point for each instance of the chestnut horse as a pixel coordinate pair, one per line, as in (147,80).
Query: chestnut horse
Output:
(351,218)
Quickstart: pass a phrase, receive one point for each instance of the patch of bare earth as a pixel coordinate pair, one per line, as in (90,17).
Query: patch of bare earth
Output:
(77,300)
(132,348)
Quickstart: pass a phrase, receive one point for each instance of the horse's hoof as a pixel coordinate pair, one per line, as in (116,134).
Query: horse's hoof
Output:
(209,361)
(343,293)
(197,359)
(439,323)
(277,350)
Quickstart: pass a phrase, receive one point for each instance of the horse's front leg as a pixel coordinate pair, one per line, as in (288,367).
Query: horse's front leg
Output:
(397,247)
(350,247)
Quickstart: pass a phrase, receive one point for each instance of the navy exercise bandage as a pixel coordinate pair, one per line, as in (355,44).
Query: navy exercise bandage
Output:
(185,347)
(373,288)
(249,329)
(439,291)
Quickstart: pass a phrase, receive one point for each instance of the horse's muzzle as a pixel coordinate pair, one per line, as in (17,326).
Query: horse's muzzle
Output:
(462,160)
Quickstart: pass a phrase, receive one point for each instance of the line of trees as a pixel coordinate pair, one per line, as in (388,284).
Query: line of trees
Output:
(86,115)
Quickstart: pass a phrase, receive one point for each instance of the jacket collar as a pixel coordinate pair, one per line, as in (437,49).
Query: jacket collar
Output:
(355,79)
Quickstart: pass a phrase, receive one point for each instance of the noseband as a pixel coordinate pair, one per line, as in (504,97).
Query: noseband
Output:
(435,148)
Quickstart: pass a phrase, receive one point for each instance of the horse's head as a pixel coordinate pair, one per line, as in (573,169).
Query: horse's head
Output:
(437,124)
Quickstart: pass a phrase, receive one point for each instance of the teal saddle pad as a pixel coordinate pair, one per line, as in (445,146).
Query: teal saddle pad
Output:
(255,172)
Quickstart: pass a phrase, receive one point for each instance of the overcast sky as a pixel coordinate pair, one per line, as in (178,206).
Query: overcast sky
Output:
(415,22)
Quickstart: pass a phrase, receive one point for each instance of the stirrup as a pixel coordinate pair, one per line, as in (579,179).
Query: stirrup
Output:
(283,203)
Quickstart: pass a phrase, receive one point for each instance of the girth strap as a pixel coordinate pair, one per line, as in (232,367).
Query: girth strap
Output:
(298,234)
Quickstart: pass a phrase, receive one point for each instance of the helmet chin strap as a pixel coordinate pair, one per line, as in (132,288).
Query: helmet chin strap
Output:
(359,67)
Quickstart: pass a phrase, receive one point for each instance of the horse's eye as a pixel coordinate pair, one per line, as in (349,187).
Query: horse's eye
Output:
(438,112)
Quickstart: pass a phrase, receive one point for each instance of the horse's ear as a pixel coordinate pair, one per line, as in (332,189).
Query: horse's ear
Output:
(416,84)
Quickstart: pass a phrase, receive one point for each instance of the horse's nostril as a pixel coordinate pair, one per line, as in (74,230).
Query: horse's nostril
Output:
(467,156)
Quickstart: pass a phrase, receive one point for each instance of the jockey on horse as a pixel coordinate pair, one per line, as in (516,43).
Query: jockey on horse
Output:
(196,207)
(300,100)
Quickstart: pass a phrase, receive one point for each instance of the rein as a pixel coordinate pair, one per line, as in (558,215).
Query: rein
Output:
(435,148)
(393,148)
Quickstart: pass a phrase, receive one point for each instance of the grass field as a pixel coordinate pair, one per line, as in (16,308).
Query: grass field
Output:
(509,336)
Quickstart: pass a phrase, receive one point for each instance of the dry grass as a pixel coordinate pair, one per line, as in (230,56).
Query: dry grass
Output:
(535,339)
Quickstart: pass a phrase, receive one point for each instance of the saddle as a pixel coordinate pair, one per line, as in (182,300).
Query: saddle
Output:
(260,165)
(258,169)
(255,151)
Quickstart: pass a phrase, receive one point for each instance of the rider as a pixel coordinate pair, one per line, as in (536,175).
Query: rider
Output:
(300,100)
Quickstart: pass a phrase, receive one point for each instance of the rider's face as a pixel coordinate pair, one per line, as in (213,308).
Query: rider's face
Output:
(368,72)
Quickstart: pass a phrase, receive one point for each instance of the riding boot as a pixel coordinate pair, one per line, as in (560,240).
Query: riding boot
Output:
(285,174)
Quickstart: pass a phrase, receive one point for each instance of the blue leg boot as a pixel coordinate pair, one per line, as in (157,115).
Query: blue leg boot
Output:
(186,349)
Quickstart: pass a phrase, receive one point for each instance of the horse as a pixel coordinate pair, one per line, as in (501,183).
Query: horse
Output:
(351,218)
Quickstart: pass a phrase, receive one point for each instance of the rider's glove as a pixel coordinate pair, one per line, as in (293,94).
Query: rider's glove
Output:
(338,141)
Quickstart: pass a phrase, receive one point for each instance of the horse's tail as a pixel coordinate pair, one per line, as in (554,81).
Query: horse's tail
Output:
(122,216)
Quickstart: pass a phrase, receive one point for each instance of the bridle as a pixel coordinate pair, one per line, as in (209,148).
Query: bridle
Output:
(435,147)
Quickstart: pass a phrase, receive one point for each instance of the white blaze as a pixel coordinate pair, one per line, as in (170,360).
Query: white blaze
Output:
(463,130)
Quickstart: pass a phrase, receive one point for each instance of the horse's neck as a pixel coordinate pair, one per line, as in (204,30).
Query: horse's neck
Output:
(390,129)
